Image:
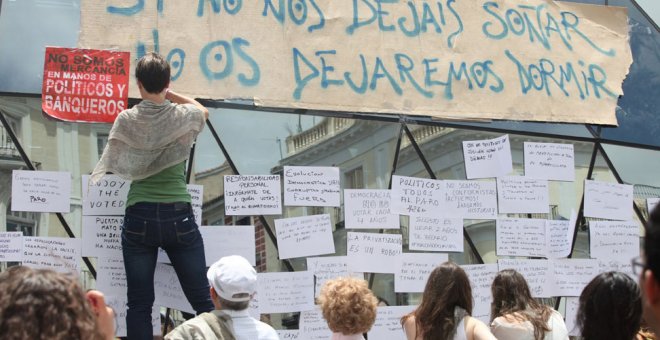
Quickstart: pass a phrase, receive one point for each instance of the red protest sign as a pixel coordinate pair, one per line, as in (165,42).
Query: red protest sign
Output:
(83,85)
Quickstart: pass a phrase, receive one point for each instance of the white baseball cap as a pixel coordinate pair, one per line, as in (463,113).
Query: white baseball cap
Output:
(233,278)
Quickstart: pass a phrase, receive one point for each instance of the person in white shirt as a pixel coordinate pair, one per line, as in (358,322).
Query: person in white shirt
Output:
(348,306)
(517,316)
(233,284)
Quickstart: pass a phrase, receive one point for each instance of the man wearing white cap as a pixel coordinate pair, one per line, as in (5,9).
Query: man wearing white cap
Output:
(233,283)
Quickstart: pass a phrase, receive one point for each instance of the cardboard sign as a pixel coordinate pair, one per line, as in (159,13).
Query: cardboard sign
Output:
(84,85)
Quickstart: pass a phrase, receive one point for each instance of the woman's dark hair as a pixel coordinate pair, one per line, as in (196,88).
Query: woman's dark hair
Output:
(447,287)
(513,299)
(43,304)
(153,72)
(610,308)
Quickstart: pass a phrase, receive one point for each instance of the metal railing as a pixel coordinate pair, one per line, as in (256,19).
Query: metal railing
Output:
(7,147)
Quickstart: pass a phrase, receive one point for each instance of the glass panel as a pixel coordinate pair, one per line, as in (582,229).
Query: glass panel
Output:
(26,27)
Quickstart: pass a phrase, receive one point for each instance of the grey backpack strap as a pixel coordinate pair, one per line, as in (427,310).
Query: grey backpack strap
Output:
(221,325)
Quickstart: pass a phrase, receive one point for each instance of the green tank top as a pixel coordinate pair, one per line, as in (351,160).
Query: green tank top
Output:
(167,186)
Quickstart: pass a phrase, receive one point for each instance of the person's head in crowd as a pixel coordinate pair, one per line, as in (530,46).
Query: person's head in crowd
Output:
(610,308)
(513,299)
(233,283)
(153,73)
(649,275)
(382,302)
(348,305)
(44,304)
(447,287)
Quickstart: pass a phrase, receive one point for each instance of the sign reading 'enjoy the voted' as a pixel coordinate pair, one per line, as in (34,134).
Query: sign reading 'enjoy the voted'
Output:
(501,59)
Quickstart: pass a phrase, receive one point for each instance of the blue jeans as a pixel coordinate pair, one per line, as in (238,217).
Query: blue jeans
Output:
(171,226)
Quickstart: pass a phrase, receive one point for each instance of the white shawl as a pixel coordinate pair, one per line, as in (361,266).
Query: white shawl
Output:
(148,138)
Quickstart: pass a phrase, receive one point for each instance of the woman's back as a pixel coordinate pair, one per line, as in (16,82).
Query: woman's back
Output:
(508,327)
(468,328)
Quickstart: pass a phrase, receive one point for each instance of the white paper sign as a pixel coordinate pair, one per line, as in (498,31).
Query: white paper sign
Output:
(413,269)
(651,203)
(329,267)
(572,306)
(253,195)
(559,236)
(417,196)
(118,304)
(369,209)
(313,326)
(572,275)
(481,279)
(111,276)
(304,236)
(168,290)
(470,199)
(487,158)
(550,161)
(288,334)
(107,197)
(61,254)
(388,323)
(41,191)
(516,194)
(11,246)
(608,200)
(220,241)
(538,274)
(521,237)
(311,186)
(617,265)
(436,234)
(373,253)
(285,292)
(613,240)
(196,192)
(101,236)
(253,307)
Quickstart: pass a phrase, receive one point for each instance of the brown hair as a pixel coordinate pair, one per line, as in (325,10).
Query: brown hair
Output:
(512,299)
(153,72)
(348,305)
(447,287)
(43,304)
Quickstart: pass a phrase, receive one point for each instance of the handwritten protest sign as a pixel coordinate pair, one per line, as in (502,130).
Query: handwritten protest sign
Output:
(388,323)
(253,195)
(61,254)
(417,196)
(311,186)
(559,61)
(369,209)
(82,85)
(572,275)
(196,192)
(118,304)
(101,236)
(11,246)
(436,234)
(572,306)
(107,197)
(487,158)
(288,334)
(538,274)
(168,291)
(373,253)
(521,237)
(551,161)
(613,240)
(413,269)
(111,276)
(470,199)
(42,191)
(481,278)
(617,265)
(608,200)
(328,267)
(285,292)
(304,236)
(313,326)
(517,194)
(559,236)
(220,241)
